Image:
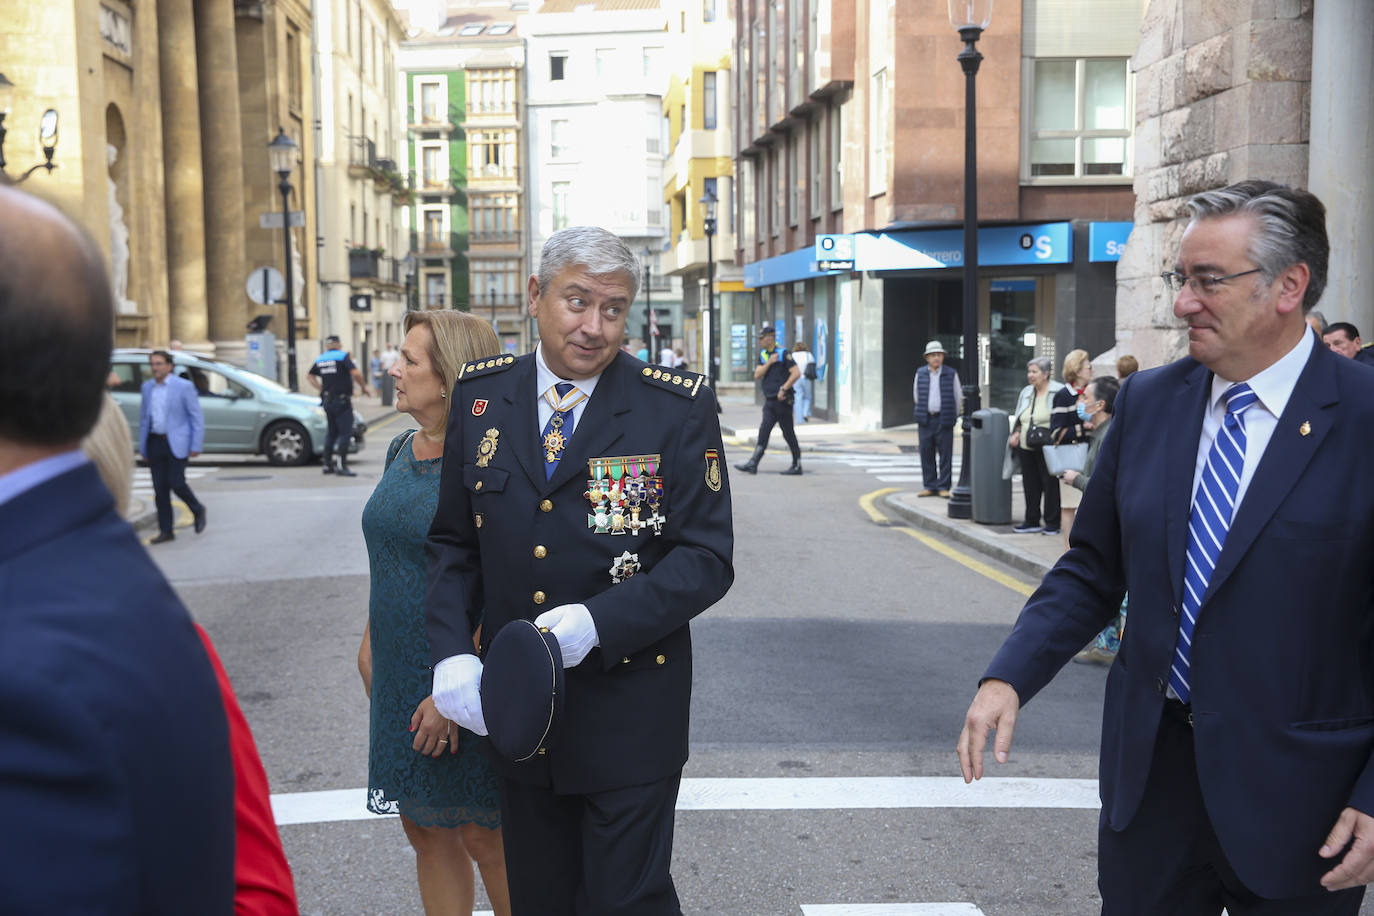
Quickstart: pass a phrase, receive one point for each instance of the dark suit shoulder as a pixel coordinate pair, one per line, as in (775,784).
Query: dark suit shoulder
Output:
(488,366)
(684,384)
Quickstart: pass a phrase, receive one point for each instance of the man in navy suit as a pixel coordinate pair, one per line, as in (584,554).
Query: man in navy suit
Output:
(116,780)
(585,490)
(1232,497)
(171,430)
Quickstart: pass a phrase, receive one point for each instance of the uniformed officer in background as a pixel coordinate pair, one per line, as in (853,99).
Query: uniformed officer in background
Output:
(333,376)
(585,490)
(777,372)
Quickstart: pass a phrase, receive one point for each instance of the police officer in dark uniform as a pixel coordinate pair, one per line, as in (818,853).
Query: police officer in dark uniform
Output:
(584,490)
(778,372)
(333,376)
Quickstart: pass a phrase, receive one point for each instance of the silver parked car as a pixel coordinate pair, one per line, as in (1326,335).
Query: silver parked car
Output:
(244,412)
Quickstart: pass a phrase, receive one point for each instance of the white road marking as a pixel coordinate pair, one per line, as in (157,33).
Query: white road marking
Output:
(143,477)
(891,909)
(776,794)
(899,478)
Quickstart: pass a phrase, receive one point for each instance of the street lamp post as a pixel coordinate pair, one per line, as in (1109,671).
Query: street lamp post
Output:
(282,152)
(970,18)
(491,296)
(650,324)
(708,204)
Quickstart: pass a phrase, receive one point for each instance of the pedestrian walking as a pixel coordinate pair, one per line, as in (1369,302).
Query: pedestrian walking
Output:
(116,779)
(1238,738)
(374,366)
(777,372)
(333,375)
(171,431)
(937,401)
(612,529)
(421,765)
(801,355)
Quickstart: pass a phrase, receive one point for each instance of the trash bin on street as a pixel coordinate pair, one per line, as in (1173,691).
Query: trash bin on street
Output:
(991,494)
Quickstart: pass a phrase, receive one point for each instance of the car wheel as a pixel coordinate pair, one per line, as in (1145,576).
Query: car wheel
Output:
(286,443)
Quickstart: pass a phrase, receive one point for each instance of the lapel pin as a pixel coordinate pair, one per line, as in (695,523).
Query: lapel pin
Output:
(1306,428)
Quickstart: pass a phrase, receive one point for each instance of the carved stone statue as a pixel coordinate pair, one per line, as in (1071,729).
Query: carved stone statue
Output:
(297,279)
(119,243)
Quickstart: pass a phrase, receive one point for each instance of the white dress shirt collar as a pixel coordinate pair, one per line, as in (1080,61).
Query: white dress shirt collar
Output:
(1274,385)
(546,379)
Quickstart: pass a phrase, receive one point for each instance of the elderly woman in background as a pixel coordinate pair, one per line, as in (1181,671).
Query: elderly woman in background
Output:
(1033,406)
(1066,428)
(421,765)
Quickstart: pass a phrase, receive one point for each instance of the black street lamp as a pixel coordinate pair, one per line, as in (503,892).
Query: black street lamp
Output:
(708,208)
(970,18)
(47,135)
(282,152)
(650,326)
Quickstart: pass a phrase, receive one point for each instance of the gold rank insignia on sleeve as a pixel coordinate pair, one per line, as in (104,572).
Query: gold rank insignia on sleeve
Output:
(486,449)
(713,469)
(686,384)
(485,366)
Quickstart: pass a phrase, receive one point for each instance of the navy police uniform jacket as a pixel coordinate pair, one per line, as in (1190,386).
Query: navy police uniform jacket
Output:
(507,543)
(1283,651)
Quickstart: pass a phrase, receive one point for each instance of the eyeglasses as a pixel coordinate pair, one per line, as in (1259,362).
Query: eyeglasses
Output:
(1202,283)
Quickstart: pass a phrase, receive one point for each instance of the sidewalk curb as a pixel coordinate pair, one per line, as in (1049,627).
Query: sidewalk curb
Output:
(968,534)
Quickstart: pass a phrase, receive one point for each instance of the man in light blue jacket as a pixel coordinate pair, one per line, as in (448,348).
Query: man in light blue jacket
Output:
(171,429)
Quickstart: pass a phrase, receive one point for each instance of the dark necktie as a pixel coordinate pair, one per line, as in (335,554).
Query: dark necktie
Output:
(562,397)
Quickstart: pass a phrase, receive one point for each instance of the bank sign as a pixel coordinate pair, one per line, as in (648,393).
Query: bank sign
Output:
(1044,243)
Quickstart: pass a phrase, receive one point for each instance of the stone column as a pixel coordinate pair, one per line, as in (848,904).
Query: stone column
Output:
(1343,153)
(181,162)
(222,153)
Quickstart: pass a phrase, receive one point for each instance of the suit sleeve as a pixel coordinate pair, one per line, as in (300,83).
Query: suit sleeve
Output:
(453,588)
(698,568)
(194,416)
(145,419)
(1083,592)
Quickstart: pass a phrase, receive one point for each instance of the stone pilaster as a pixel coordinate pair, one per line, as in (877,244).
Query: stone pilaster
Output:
(184,189)
(222,153)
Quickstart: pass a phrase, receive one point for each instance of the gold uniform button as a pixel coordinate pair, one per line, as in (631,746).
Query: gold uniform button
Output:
(540,552)
(677,380)
(546,505)
(648,371)
(661,659)
(625,660)
(477,520)
(477,486)
(538,597)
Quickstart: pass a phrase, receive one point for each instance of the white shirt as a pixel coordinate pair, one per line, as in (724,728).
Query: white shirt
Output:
(1273,386)
(157,407)
(544,380)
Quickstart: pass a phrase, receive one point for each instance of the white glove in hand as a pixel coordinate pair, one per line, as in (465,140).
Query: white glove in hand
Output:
(458,691)
(575,630)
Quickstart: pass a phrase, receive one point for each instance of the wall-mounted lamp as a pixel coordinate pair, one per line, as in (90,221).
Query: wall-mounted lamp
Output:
(47,134)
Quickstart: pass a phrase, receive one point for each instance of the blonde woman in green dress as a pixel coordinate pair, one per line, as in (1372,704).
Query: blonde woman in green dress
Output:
(420,765)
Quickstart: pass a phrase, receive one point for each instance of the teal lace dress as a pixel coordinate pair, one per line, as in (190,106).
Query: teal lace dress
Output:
(453,789)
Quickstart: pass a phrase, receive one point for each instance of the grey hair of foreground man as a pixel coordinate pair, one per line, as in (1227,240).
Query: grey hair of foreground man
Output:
(1291,228)
(56,325)
(602,253)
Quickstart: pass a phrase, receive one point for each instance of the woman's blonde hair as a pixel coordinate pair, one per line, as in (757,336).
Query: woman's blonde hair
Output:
(111,450)
(799,347)
(454,338)
(1074,364)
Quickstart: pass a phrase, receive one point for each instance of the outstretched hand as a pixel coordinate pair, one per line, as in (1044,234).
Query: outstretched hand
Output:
(994,708)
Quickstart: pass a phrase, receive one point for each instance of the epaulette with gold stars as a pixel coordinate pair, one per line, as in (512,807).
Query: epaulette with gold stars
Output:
(485,366)
(686,384)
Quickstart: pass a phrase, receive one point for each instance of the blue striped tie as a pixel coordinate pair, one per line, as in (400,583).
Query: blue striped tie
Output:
(1214,506)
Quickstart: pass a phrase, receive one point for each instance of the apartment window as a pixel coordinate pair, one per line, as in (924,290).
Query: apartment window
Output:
(1080,122)
(708,101)
(813,164)
(491,92)
(561,192)
(436,291)
(605,63)
(494,216)
(655,198)
(793,179)
(434,228)
(491,153)
(494,282)
(293,68)
(834,119)
(877,134)
(558,139)
(558,63)
(776,190)
(432,171)
(708,10)
(431,110)
(653,141)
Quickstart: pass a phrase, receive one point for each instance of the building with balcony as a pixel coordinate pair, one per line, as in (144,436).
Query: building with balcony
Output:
(596,77)
(362,238)
(850,122)
(464,69)
(699,161)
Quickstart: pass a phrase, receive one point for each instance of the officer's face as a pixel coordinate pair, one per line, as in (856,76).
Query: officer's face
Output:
(418,385)
(581,320)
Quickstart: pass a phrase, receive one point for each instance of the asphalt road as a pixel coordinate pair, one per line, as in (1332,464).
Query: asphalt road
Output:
(844,649)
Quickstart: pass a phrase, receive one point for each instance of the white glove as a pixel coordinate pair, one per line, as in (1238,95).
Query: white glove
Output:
(575,630)
(458,691)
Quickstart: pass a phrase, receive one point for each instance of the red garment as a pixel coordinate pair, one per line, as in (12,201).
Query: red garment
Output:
(261,875)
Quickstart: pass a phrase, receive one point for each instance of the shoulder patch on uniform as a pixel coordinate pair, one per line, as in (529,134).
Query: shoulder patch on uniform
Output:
(486,366)
(686,384)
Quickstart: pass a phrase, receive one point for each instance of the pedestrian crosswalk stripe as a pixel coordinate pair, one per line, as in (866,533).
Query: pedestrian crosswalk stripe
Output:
(898,478)
(891,909)
(777,794)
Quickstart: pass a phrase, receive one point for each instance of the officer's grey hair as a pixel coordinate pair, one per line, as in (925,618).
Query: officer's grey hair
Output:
(1291,228)
(590,247)
(1043,364)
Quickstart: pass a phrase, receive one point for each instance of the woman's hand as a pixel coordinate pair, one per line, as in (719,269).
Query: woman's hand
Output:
(1069,477)
(1014,439)
(433,733)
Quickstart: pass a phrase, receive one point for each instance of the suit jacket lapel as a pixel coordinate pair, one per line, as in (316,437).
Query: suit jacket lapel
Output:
(524,434)
(1189,404)
(1284,460)
(601,424)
